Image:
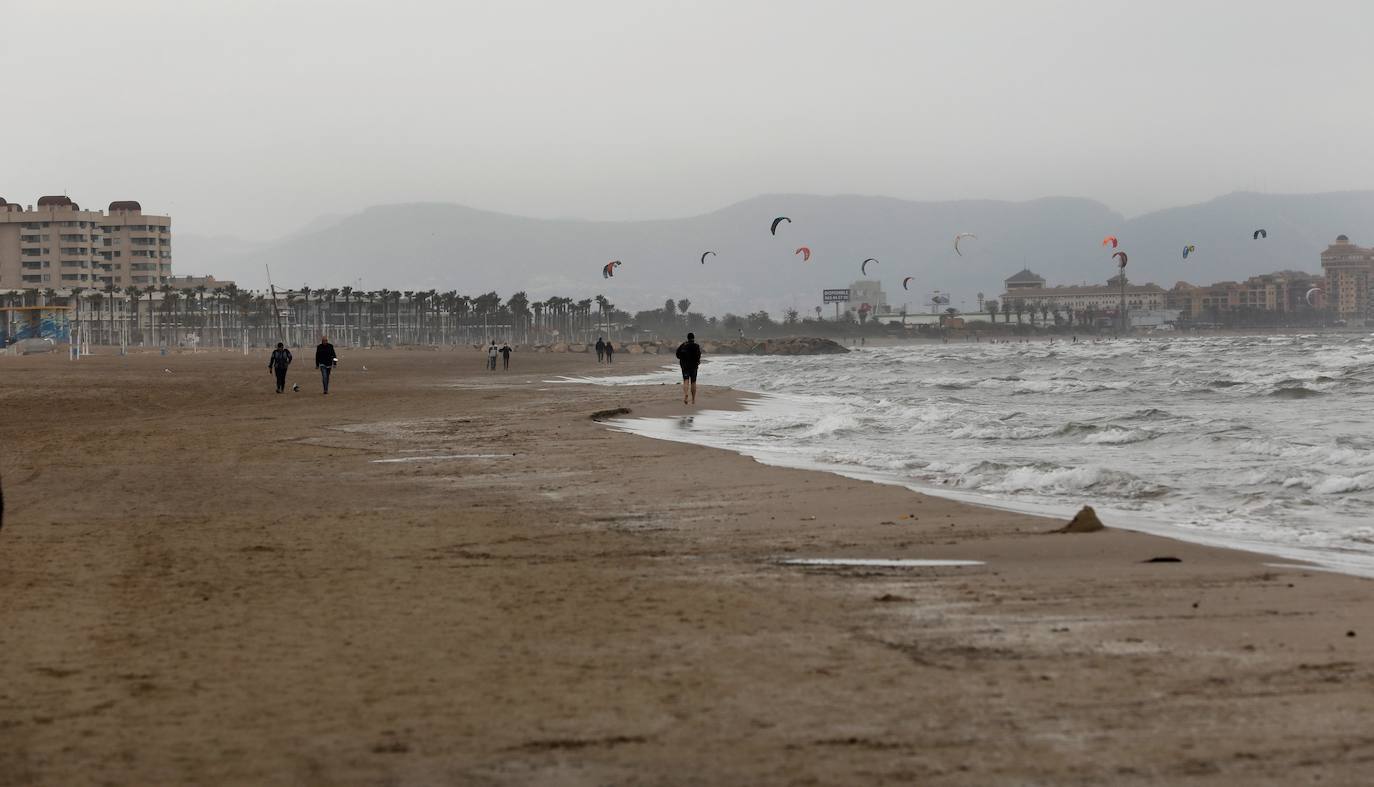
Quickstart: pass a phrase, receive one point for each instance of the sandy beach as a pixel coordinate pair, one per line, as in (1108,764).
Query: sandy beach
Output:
(443,575)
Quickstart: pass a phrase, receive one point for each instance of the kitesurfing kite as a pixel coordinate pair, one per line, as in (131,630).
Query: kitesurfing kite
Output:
(962,235)
(1122,255)
(774,229)
(907,281)
(1189,249)
(703,256)
(1310,293)
(804,252)
(1109,240)
(608,270)
(863,266)
(1259,234)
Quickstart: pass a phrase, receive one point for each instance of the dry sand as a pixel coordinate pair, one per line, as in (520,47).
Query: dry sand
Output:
(204,582)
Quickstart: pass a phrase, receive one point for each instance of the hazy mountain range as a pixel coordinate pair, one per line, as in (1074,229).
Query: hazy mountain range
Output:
(443,247)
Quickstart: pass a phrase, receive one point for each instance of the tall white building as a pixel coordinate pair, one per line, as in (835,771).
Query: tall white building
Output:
(868,291)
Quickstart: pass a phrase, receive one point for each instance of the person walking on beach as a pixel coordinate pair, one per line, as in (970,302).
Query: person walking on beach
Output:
(491,356)
(505,356)
(281,358)
(600,349)
(610,353)
(689,358)
(326,360)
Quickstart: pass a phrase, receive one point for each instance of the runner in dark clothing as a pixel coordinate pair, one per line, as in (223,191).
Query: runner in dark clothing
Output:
(281,358)
(689,358)
(600,350)
(326,360)
(505,356)
(610,353)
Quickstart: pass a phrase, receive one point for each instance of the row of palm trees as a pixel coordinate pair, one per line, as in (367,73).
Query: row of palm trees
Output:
(1046,311)
(231,317)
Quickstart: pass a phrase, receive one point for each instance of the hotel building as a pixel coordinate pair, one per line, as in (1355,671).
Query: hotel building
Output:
(1030,288)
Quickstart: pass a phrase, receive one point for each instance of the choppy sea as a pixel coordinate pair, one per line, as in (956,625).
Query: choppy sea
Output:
(1264,443)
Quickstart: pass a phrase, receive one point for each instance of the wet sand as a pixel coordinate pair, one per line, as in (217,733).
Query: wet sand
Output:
(205,582)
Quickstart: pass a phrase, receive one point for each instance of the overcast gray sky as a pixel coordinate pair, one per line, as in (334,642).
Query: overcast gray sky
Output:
(252,117)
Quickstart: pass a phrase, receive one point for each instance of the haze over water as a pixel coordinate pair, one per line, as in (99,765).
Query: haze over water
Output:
(1254,441)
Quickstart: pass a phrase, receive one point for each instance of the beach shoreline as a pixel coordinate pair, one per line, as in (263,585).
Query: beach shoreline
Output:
(534,596)
(659,427)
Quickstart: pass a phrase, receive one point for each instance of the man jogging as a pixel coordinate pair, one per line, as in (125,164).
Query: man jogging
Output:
(689,358)
(505,356)
(281,358)
(326,360)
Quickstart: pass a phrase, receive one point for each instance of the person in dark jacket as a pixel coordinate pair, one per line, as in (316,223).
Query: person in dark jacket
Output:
(610,353)
(600,349)
(281,358)
(326,360)
(505,356)
(689,358)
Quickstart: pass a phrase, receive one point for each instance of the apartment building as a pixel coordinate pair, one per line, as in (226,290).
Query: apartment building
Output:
(136,249)
(1284,292)
(1349,273)
(56,244)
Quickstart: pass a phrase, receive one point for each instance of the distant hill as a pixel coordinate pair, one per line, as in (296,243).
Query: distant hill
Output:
(442,246)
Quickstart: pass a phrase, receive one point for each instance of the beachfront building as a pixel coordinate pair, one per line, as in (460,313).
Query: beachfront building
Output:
(1349,273)
(57,245)
(1283,292)
(136,248)
(1028,290)
(1025,280)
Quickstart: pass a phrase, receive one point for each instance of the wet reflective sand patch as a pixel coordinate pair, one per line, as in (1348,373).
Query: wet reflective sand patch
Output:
(439,458)
(876,562)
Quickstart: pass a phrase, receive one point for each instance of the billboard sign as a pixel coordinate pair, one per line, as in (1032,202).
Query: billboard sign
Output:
(835,296)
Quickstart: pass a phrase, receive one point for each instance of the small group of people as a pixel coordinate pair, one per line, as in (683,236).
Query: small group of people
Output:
(504,351)
(325,360)
(605,351)
(688,358)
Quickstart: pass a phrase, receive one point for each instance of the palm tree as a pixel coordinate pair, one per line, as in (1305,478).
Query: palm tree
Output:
(519,304)
(97,299)
(1006,310)
(683,305)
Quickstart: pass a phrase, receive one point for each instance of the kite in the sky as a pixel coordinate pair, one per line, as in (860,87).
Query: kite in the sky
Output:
(962,235)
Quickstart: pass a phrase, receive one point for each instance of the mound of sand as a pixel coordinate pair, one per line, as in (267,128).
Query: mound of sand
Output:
(1084,521)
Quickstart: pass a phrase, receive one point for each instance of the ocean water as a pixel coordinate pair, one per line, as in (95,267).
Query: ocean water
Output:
(1260,442)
